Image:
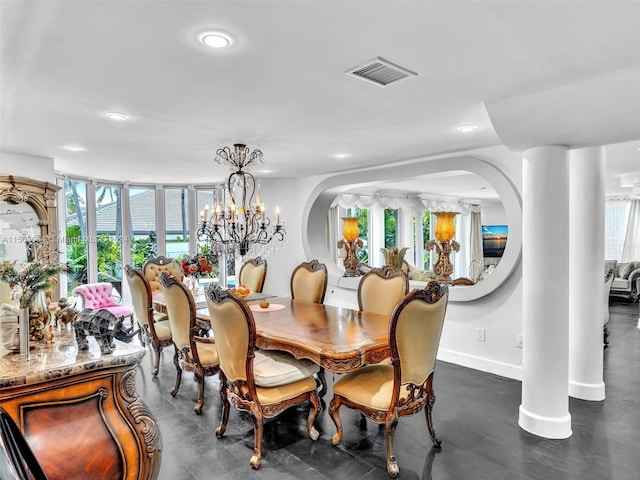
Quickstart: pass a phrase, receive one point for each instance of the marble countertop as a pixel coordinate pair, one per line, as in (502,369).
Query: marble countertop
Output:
(58,359)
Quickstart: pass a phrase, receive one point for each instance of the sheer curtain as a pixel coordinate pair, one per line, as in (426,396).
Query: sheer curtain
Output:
(631,248)
(477,260)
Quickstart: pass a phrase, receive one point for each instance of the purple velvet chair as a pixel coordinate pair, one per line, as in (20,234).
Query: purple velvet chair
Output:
(98,295)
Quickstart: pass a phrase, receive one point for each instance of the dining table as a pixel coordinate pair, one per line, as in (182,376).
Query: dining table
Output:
(338,339)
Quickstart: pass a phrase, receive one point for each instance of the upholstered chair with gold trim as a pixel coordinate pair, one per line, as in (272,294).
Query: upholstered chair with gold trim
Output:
(192,353)
(263,383)
(380,289)
(384,393)
(608,281)
(154,327)
(153,267)
(253,274)
(309,282)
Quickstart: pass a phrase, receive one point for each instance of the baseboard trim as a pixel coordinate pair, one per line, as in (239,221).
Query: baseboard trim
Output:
(481,363)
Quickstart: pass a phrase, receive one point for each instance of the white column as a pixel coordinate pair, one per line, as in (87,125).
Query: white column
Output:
(126,239)
(92,245)
(192,220)
(586,279)
(545,270)
(376,236)
(161,225)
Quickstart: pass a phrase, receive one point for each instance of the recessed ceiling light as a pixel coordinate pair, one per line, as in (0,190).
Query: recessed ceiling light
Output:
(74,148)
(467,128)
(215,39)
(340,155)
(117,116)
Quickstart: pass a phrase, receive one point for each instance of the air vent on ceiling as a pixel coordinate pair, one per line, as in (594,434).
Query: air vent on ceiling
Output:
(380,72)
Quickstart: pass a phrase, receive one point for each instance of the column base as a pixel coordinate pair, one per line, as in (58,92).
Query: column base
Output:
(594,392)
(547,427)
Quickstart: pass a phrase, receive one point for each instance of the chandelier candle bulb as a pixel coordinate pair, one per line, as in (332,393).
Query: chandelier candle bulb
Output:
(277,217)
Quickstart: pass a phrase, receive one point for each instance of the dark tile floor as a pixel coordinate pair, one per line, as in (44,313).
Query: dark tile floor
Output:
(476,415)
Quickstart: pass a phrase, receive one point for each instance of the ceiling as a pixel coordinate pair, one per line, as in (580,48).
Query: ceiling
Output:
(552,72)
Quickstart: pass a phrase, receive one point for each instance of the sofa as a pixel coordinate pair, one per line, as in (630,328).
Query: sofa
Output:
(626,279)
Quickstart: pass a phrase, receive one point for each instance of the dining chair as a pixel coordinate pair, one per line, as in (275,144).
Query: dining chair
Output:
(384,393)
(608,280)
(253,274)
(192,353)
(17,460)
(154,326)
(263,383)
(153,267)
(380,289)
(309,282)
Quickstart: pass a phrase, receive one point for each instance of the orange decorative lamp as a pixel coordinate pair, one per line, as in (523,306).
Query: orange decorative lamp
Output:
(351,243)
(445,231)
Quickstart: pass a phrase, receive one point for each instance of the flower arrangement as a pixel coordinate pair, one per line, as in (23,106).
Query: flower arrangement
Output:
(197,265)
(29,279)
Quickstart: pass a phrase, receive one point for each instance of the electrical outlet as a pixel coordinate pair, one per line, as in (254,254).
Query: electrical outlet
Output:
(519,344)
(482,334)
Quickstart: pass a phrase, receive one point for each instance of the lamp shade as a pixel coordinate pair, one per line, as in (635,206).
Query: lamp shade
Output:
(445,225)
(350,230)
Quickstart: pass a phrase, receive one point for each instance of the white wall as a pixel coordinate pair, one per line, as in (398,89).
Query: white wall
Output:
(499,313)
(29,166)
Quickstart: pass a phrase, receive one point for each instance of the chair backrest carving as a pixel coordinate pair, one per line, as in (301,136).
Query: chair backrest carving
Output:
(253,274)
(380,289)
(153,267)
(309,282)
(140,295)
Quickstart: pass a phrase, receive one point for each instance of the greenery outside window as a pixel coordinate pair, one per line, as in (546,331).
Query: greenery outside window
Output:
(390,227)
(76,233)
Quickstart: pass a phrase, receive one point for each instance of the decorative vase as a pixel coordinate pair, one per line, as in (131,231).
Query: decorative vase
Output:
(194,283)
(23,333)
(394,256)
(40,308)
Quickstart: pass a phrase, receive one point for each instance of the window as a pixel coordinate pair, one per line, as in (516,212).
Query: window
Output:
(390,227)
(109,232)
(363,226)
(76,233)
(616,215)
(426,236)
(144,242)
(176,212)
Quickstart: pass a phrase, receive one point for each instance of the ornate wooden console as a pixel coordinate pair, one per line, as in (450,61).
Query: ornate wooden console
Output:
(79,410)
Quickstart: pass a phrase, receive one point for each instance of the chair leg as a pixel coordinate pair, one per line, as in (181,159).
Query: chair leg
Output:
(323,382)
(156,361)
(334,411)
(428,409)
(313,412)
(389,430)
(198,407)
(176,362)
(258,427)
(225,407)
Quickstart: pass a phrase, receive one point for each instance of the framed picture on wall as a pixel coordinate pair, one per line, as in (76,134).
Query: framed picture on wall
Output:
(494,240)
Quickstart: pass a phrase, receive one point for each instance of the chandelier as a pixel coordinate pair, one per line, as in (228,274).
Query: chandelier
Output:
(237,223)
